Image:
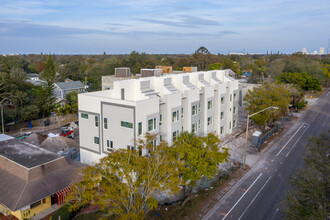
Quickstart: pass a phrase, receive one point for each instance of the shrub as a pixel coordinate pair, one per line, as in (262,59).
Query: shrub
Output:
(64,213)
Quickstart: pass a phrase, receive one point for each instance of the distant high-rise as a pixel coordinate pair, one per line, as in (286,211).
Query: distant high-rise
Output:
(321,50)
(314,52)
(304,51)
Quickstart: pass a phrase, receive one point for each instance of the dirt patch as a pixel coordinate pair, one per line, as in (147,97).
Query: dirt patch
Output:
(202,202)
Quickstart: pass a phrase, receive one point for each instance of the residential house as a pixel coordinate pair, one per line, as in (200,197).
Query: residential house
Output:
(32,179)
(63,88)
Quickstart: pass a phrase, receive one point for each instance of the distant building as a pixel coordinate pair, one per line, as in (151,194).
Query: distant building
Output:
(34,79)
(321,50)
(32,179)
(304,51)
(166,69)
(189,69)
(63,88)
(315,52)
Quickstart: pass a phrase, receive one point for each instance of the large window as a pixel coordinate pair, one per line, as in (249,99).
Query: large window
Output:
(96,121)
(222,100)
(209,104)
(105,123)
(174,135)
(181,112)
(96,140)
(194,110)
(234,96)
(221,130)
(84,115)
(175,116)
(221,115)
(126,124)
(193,128)
(234,123)
(150,124)
(234,110)
(140,128)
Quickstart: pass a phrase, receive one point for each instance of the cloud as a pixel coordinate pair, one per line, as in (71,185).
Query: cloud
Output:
(183,21)
(31,30)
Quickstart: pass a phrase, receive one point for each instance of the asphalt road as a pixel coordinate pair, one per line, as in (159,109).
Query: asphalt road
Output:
(258,195)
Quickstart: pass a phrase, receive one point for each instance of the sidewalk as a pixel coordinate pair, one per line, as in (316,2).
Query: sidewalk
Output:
(45,213)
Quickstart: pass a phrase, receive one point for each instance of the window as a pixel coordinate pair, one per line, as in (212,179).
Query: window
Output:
(35,204)
(199,124)
(122,94)
(150,124)
(160,120)
(174,117)
(84,115)
(209,105)
(230,125)
(154,123)
(193,128)
(234,110)
(199,107)
(209,121)
(130,147)
(96,140)
(181,112)
(109,145)
(105,123)
(231,97)
(222,100)
(140,128)
(221,115)
(160,137)
(126,124)
(96,121)
(174,135)
(234,123)
(234,96)
(193,110)
(44,201)
(221,130)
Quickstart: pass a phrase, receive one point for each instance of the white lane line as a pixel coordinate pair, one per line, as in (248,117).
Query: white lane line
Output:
(254,198)
(290,139)
(242,196)
(274,214)
(296,142)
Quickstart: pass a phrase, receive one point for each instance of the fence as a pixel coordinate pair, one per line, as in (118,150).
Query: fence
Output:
(272,131)
(39,124)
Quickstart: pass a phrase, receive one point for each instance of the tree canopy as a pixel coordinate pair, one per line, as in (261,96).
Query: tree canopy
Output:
(309,197)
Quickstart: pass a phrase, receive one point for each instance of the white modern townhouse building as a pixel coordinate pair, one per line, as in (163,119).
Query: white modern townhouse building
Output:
(199,102)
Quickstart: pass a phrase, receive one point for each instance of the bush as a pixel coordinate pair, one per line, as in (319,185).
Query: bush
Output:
(301,104)
(64,213)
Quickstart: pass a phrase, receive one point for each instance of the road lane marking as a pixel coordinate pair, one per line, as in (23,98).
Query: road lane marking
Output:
(296,142)
(274,214)
(243,195)
(255,197)
(290,139)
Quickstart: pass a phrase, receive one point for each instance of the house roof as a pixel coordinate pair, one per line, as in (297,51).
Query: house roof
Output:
(25,154)
(29,173)
(70,85)
(32,75)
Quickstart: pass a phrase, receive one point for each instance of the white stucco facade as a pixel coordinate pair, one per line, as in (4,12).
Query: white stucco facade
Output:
(200,102)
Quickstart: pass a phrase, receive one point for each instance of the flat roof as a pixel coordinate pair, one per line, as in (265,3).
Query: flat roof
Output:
(26,154)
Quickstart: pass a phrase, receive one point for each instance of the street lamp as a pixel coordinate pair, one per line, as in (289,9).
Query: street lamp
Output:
(247,129)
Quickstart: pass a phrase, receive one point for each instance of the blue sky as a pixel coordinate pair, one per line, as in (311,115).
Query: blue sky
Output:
(168,26)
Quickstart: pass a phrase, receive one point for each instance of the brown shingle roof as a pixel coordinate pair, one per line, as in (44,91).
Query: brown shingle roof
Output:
(23,185)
